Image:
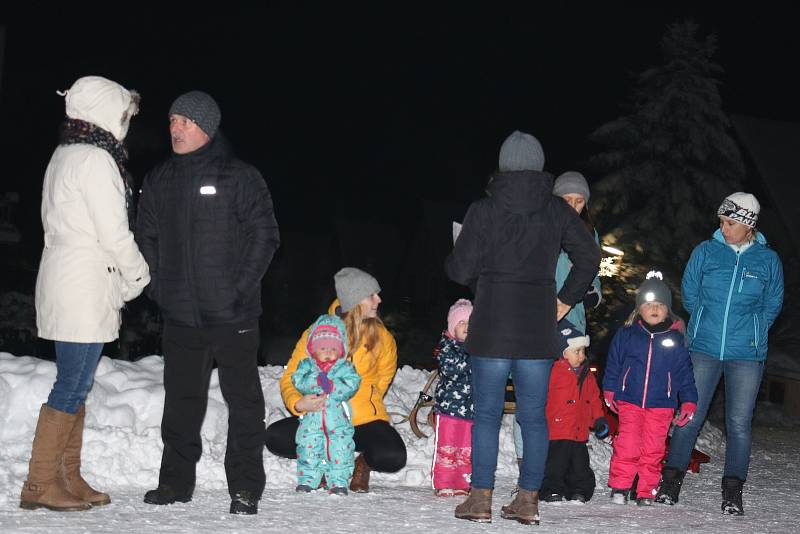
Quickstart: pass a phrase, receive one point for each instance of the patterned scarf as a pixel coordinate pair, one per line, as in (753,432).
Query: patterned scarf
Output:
(78,132)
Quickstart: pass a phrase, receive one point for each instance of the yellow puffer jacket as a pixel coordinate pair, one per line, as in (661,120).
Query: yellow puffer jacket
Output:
(376,369)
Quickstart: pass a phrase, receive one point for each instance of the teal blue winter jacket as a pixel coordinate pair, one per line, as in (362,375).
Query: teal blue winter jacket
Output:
(733,298)
(577,314)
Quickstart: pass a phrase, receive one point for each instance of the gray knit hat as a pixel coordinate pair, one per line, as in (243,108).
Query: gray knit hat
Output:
(571,182)
(521,152)
(654,290)
(352,286)
(200,108)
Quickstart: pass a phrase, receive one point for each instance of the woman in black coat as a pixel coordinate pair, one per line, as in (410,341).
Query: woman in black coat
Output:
(507,252)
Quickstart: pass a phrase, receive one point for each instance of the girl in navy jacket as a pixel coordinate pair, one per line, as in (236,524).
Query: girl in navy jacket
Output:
(648,375)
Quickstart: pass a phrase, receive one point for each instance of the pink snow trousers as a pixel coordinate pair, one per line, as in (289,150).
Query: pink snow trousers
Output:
(452,453)
(639,448)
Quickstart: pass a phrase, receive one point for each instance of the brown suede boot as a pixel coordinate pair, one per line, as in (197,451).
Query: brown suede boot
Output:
(71,466)
(44,487)
(477,507)
(524,508)
(360,481)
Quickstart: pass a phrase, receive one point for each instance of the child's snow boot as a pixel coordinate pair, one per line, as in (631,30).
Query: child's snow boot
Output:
(619,496)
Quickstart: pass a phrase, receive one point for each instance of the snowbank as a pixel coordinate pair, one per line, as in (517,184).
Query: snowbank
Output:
(122,443)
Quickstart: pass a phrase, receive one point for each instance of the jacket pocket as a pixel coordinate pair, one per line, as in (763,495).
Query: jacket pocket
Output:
(756,328)
(625,378)
(697,322)
(115,287)
(669,384)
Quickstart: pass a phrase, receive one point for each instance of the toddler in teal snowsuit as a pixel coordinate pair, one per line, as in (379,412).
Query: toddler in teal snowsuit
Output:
(324,439)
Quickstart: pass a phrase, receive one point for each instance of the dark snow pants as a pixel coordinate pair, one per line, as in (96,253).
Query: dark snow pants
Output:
(189,355)
(382,446)
(568,472)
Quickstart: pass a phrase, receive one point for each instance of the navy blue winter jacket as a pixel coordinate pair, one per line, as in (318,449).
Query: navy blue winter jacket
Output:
(649,370)
(733,298)
(454,391)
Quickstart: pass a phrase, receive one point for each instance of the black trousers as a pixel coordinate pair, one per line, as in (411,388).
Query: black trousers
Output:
(568,472)
(189,355)
(378,441)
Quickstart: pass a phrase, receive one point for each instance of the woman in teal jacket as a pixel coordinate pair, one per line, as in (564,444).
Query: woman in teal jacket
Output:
(733,289)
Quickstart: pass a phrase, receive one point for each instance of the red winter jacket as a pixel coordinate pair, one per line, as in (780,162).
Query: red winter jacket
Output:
(570,412)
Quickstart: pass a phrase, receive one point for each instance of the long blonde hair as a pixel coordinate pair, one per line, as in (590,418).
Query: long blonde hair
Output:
(361,331)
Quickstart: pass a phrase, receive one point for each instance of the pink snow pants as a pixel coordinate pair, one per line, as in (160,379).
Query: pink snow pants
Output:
(639,448)
(452,453)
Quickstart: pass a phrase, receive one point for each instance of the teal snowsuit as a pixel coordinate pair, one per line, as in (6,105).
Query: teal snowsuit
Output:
(325,439)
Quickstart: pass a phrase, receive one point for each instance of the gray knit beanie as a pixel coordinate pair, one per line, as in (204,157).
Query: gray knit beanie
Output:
(200,108)
(654,290)
(521,152)
(571,182)
(352,286)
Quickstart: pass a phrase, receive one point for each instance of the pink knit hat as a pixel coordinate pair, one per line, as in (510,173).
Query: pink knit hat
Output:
(326,336)
(460,311)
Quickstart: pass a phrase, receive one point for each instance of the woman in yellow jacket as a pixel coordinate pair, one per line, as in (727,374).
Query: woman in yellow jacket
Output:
(373,351)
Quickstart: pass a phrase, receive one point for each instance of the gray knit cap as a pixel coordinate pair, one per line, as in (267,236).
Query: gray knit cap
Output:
(200,108)
(571,182)
(521,152)
(654,290)
(352,286)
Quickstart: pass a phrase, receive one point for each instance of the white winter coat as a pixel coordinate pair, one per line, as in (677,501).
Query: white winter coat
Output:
(90,263)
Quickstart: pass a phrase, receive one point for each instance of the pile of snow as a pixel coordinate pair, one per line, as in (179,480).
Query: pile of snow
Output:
(122,441)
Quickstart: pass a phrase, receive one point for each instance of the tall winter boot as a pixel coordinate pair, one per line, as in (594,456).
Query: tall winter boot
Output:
(670,487)
(71,466)
(732,496)
(524,508)
(477,507)
(45,487)
(360,481)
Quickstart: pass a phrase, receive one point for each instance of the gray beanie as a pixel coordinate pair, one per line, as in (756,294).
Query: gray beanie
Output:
(654,290)
(200,108)
(521,152)
(571,182)
(352,286)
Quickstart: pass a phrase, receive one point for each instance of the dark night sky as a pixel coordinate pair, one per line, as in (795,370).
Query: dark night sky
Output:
(370,110)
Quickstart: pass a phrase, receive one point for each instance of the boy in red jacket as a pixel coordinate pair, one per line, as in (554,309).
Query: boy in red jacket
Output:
(573,406)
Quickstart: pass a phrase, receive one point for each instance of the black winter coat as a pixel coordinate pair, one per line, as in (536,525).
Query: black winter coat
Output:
(507,253)
(207,228)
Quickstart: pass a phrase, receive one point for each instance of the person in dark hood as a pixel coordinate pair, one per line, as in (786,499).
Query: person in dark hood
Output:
(507,252)
(207,225)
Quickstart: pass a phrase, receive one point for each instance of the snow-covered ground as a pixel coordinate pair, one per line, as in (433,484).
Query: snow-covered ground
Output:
(122,451)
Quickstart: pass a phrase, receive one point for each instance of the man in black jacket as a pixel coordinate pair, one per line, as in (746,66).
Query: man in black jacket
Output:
(206,226)
(507,252)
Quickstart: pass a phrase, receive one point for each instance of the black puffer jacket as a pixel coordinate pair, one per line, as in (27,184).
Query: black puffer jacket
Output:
(207,228)
(507,253)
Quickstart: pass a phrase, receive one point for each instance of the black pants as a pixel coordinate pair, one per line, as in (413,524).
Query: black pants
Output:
(189,355)
(568,472)
(378,441)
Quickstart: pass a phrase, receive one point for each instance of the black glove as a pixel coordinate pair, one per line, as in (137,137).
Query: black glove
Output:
(591,299)
(600,427)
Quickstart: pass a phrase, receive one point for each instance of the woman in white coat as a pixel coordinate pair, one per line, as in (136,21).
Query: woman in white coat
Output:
(90,266)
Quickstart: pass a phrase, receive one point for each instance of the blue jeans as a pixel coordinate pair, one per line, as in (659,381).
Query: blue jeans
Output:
(75,367)
(742,381)
(489,376)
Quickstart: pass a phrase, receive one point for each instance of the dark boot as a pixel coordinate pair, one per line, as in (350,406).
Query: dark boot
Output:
(732,496)
(477,507)
(360,481)
(45,487)
(71,466)
(164,494)
(670,487)
(524,508)
(244,503)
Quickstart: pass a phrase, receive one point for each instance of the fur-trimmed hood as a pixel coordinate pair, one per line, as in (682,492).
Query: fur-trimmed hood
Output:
(102,102)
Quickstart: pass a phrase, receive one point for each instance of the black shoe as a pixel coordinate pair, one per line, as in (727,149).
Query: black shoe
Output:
(338,490)
(244,503)
(579,497)
(167,495)
(304,488)
(732,496)
(670,487)
(644,501)
(552,497)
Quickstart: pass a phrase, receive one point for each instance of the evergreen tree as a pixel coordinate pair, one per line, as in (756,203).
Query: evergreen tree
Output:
(668,164)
